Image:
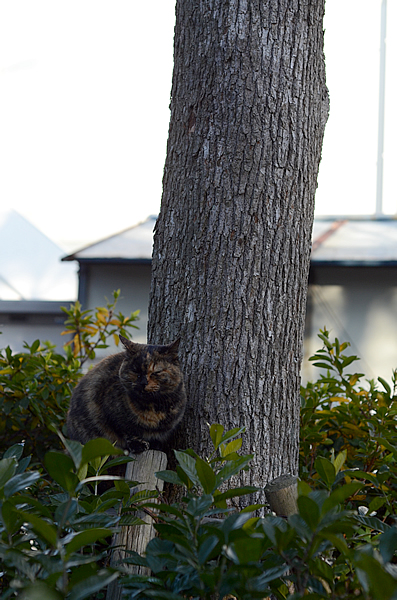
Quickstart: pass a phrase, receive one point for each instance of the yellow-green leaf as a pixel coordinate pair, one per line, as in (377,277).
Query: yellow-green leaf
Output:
(232,446)
(339,461)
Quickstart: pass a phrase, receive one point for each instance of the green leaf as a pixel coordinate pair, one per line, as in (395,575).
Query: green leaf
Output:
(325,339)
(40,591)
(43,529)
(206,548)
(268,575)
(340,460)
(86,538)
(356,473)
(135,559)
(388,544)
(309,511)
(119,460)
(8,466)
(98,448)
(322,365)
(326,470)
(374,577)
(372,523)
(20,482)
(119,482)
(36,504)
(91,585)
(233,446)
(199,505)
(337,541)
(385,385)
(303,488)
(246,549)
(341,494)
(15,451)
(376,503)
(216,431)
(252,508)
(188,465)
(232,468)
(206,475)
(35,346)
(231,434)
(183,477)
(157,594)
(60,467)
(234,522)
(143,495)
(11,518)
(75,450)
(169,477)
(130,520)
(82,472)
(322,569)
(167,508)
(347,360)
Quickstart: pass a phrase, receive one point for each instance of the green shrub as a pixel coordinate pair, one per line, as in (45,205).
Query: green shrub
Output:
(205,550)
(341,543)
(91,329)
(56,528)
(53,525)
(36,385)
(350,430)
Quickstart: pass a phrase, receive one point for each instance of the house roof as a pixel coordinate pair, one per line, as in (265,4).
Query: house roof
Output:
(356,242)
(30,267)
(131,245)
(339,241)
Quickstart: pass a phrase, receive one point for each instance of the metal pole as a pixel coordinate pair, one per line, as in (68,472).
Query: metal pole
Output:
(381,115)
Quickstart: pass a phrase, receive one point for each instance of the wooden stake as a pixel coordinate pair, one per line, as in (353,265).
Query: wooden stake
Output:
(137,537)
(282,494)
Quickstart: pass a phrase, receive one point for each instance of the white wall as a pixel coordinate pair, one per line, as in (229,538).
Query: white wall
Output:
(134,283)
(359,306)
(19,327)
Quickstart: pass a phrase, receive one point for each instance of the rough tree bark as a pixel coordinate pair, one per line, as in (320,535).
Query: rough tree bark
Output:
(232,244)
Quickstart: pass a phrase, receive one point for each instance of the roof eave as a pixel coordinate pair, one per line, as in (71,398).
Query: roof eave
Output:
(112,260)
(353,263)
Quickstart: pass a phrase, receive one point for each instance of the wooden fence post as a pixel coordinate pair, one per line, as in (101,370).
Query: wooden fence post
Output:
(137,537)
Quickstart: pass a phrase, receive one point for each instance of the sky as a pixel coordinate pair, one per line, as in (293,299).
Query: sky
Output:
(84,112)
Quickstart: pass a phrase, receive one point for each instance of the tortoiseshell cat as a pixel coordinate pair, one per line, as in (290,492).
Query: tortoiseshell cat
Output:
(135,398)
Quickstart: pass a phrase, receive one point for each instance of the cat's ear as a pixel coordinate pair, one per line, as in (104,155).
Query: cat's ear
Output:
(128,345)
(172,349)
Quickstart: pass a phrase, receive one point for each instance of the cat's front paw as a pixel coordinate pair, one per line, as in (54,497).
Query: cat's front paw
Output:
(137,446)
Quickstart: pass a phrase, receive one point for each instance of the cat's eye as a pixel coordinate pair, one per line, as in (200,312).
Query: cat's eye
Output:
(161,375)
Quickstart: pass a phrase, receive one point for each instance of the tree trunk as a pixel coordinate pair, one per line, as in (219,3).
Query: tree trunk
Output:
(232,243)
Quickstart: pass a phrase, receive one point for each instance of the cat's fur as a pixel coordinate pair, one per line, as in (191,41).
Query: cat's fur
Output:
(135,398)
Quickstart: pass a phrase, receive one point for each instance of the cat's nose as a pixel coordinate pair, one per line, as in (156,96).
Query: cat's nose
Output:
(143,380)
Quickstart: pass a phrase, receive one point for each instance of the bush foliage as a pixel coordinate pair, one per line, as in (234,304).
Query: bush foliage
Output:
(36,385)
(349,430)
(56,526)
